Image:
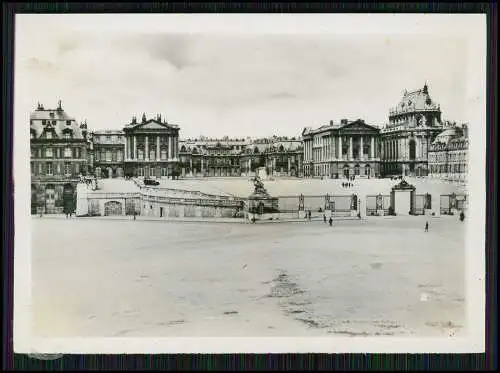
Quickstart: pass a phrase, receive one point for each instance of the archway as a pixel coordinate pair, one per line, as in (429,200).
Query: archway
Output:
(68,198)
(356,170)
(367,170)
(50,199)
(346,171)
(112,208)
(33,199)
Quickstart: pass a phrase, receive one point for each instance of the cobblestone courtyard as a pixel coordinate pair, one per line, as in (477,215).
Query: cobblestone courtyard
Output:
(383,276)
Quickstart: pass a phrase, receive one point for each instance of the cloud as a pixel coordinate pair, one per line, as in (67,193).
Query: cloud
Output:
(235,85)
(282,96)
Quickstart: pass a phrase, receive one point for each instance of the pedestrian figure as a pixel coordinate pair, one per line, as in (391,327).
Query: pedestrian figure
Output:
(426,226)
(330,221)
(135,214)
(309,215)
(324,218)
(462,216)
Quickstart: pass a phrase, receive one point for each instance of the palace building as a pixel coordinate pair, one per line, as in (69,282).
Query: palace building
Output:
(151,147)
(59,155)
(108,153)
(211,157)
(350,148)
(405,140)
(239,156)
(449,155)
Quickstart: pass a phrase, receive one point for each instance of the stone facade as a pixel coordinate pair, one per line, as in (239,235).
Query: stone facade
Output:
(108,153)
(449,155)
(59,155)
(413,125)
(341,150)
(151,148)
(239,157)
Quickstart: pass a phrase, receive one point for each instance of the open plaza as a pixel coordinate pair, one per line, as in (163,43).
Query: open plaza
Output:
(376,276)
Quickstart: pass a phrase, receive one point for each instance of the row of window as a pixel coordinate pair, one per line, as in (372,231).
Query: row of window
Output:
(460,156)
(152,154)
(113,138)
(108,156)
(66,152)
(53,122)
(323,170)
(448,168)
(49,135)
(49,169)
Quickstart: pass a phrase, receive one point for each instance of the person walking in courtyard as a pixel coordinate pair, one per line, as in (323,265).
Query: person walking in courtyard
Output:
(426,226)
(330,221)
(135,214)
(324,218)
(309,215)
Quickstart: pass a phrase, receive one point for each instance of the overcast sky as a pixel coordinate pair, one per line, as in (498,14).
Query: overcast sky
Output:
(214,78)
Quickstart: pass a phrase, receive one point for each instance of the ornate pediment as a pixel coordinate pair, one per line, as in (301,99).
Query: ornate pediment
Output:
(150,125)
(403,185)
(359,126)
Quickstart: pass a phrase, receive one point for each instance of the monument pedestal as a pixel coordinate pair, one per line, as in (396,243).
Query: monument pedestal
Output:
(261,203)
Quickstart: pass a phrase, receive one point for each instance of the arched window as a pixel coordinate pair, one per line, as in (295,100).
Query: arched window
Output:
(152,153)
(163,153)
(140,154)
(412,149)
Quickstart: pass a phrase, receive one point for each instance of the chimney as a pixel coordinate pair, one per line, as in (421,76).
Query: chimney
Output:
(343,121)
(331,122)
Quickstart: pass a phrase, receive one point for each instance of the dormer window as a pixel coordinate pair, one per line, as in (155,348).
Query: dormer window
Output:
(44,122)
(51,115)
(68,123)
(67,136)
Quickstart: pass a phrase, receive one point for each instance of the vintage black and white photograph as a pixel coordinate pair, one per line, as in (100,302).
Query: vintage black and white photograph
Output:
(249,183)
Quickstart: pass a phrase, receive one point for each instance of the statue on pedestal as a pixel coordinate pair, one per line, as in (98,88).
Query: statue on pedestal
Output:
(259,185)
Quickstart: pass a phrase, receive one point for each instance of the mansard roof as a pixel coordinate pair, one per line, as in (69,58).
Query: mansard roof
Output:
(60,117)
(413,101)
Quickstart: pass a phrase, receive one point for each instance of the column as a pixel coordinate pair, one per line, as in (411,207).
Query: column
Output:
(340,147)
(202,170)
(191,166)
(158,148)
(170,148)
(350,147)
(372,148)
(361,154)
(126,148)
(146,156)
(288,170)
(135,147)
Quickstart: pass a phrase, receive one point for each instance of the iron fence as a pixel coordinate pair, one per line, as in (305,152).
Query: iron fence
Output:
(376,203)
